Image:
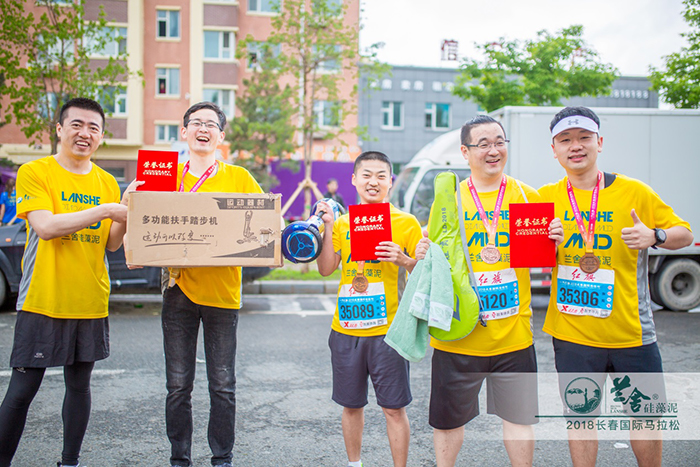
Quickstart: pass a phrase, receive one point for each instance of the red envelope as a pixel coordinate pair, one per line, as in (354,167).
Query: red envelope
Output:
(158,169)
(530,246)
(370,224)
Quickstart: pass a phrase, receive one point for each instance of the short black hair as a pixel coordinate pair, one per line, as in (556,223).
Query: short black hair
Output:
(331,180)
(371,156)
(82,103)
(570,112)
(205,105)
(476,121)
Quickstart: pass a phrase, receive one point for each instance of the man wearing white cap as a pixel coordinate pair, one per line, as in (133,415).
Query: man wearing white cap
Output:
(599,311)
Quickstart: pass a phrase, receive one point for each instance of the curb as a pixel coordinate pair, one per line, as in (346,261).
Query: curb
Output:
(291,287)
(253,288)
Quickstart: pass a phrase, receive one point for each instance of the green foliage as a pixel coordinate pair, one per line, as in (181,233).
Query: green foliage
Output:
(46,60)
(264,129)
(535,72)
(679,82)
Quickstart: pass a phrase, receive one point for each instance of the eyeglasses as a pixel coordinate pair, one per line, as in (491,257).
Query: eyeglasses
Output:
(500,144)
(197,124)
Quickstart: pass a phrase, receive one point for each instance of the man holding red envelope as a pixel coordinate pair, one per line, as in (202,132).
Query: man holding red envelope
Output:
(372,282)
(501,351)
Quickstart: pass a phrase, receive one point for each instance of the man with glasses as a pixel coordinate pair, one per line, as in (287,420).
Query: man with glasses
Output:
(502,351)
(611,221)
(210,295)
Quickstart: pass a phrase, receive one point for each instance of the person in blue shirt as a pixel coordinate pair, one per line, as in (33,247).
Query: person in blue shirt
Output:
(8,204)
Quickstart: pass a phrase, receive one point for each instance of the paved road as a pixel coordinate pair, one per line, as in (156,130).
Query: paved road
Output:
(285,416)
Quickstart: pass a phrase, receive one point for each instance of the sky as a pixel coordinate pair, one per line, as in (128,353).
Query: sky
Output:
(630,34)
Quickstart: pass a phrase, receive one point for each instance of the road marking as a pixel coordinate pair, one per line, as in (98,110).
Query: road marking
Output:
(59,372)
(303,314)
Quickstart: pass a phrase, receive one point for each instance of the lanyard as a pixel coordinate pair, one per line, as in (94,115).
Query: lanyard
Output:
(592,215)
(207,173)
(490,229)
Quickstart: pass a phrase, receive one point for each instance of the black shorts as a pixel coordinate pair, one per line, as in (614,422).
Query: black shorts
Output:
(355,359)
(43,342)
(456,380)
(583,370)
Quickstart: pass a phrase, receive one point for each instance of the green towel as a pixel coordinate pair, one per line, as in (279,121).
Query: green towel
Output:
(427,301)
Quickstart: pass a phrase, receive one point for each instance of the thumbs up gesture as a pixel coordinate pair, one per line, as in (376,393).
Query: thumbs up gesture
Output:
(639,236)
(423,245)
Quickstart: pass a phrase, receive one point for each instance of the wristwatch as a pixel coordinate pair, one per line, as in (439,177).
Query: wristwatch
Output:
(660,235)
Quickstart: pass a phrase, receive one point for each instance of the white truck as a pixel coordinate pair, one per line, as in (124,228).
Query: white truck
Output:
(655,146)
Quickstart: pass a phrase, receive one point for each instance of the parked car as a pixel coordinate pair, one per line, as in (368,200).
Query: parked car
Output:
(13,238)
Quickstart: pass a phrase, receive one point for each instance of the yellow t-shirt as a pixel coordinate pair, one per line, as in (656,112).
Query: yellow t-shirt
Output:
(371,313)
(65,277)
(513,330)
(623,272)
(216,286)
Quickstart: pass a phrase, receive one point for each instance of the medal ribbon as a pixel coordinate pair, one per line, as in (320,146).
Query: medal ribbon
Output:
(490,229)
(592,215)
(207,173)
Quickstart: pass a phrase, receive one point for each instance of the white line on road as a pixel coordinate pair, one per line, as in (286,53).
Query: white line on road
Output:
(59,372)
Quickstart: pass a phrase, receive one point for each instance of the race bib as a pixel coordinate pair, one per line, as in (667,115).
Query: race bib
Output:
(362,310)
(583,294)
(498,292)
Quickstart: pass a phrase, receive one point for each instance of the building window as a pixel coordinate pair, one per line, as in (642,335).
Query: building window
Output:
(119,173)
(437,86)
(263,6)
(168,24)
(392,115)
(331,64)
(166,133)
(386,84)
(327,113)
(437,116)
(113,101)
(115,45)
(168,81)
(256,51)
(218,45)
(223,98)
(332,5)
(405,85)
(418,86)
(47,105)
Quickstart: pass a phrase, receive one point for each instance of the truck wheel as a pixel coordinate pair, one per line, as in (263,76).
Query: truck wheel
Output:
(654,288)
(3,290)
(678,284)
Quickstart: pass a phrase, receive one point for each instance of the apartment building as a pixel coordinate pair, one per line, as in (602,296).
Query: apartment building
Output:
(185,50)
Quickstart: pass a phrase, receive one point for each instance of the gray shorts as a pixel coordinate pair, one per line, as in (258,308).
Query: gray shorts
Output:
(355,359)
(456,381)
(43,342)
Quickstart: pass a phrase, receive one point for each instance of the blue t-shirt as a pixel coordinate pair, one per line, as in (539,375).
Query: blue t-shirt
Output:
(10,202)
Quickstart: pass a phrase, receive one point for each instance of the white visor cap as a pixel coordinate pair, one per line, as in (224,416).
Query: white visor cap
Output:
(575,121)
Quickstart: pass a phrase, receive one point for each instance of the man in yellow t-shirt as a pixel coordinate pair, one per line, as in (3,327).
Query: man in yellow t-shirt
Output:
(358,350)
(210,295)
(502,352)
(599,311)
(74,212)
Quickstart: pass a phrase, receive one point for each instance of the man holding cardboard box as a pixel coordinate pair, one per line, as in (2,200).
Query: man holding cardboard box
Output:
(74,212)
(210,295)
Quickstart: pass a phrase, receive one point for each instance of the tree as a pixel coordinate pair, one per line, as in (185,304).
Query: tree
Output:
(265,128)
(680,81)
(315,51)
(534,72)
(46,60)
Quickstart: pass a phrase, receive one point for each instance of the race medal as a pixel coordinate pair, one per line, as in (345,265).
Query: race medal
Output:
(490,254)
(360,282)
(589,263)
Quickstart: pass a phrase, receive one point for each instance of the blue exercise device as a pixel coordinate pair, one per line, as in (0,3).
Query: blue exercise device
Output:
(302,240)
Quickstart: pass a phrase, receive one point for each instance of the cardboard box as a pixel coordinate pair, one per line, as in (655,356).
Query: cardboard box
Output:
(203,229)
